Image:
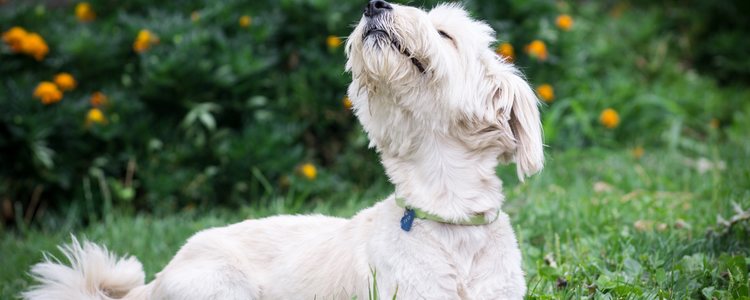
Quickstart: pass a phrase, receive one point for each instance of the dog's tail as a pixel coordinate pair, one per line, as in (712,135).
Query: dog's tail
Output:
(93,273)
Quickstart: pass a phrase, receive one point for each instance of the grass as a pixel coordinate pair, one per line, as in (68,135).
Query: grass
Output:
(595,223)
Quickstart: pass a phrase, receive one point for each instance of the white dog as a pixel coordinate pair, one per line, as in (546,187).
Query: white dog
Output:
(442,110)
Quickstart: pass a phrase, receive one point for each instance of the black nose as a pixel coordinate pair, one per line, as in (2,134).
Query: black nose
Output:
(376,7)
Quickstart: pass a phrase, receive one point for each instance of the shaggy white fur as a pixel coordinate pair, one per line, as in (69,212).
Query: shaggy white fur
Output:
(442,110)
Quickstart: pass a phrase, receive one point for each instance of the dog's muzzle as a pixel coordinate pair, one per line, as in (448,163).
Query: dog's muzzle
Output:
(374,12)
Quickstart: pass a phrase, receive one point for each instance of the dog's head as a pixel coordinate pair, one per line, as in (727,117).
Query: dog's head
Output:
(416,73)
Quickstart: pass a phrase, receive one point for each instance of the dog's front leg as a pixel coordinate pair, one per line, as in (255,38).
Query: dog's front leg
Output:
(421,284)
(412,265)
(497,272)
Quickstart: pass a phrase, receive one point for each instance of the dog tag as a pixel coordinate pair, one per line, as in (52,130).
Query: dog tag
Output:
(407,219)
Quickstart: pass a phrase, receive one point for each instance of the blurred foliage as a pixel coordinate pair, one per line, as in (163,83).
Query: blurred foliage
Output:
(714,35)
(224,102)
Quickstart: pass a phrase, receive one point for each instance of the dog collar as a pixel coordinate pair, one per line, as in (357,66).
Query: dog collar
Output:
(412,212)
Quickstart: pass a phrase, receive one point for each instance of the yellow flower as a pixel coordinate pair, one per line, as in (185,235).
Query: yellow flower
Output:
(347,102)
(35,46)
(308,170)
(714,123)
(564,22)
(65,81)
(195,16)
(506,50)
(95,115)
(245,21)
(333,41)
(15,37)
(537,49)
(84,13)
(144,41)
(609,118)
(637,152)
(48,92)
(546,92)
(98,99)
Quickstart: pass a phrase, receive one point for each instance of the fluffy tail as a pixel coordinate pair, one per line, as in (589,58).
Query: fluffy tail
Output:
(93,273)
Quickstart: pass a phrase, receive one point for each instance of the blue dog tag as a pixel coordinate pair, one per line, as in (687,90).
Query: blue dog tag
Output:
(407,219)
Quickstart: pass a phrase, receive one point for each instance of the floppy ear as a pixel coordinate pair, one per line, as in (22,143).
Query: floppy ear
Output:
(514,102)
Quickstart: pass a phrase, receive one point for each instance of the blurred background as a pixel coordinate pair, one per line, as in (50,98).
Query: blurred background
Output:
(156,119)
(163,106)
(148,106)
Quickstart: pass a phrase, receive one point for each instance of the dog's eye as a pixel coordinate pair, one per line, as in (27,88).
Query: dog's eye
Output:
(445,35)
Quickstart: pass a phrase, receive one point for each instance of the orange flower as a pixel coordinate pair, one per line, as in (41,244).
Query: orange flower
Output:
(144,41)
(95,115)
(15,37)
(309,171)
(35,46)
(564,22)
(25,42)
(48,92)
(84,13)
(98,99)
(245,21)
(506,51)
(609,118)
(333,41)
(546,92)
(65,81)
(347,102)
(537,49)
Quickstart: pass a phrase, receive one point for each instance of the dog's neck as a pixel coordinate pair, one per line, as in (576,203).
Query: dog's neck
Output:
(443,176)
(436,164)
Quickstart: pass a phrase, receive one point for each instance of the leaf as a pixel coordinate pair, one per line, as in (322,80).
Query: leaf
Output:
(257,101)
(43,154)
(208,120)
(122,192)
(604,282)
(632,267)
(548,272)
(708,292)
(627,290)
(692,263)
(660,275)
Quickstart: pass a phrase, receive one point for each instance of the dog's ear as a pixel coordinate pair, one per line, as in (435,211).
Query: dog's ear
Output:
(514,103)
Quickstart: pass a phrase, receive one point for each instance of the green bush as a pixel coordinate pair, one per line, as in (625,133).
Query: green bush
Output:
(206,111)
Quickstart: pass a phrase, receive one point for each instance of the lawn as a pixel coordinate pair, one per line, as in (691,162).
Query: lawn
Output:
(595,223)
(137,123)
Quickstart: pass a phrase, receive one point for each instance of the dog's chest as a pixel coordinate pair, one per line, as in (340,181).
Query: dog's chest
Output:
(434,260)
(460,246)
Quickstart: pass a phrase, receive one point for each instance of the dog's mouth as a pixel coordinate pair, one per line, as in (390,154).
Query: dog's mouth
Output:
(374,32)
(384,35)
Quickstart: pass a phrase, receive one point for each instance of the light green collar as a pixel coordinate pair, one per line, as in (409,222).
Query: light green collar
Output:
(476,219)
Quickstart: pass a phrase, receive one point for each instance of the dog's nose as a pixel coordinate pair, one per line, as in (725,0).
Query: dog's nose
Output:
(376,7)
